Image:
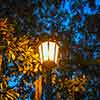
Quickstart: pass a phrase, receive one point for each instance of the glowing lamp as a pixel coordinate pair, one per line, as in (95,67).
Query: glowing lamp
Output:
(48,52)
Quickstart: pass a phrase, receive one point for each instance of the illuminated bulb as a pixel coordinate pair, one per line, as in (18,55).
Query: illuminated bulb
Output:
(48,51)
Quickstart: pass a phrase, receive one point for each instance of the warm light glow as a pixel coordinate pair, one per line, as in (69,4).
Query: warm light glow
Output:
(40,51)
(45,51)
(48,51)
(56,53)
(51,51)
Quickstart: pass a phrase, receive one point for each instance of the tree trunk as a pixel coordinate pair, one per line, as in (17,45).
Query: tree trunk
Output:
(0,64)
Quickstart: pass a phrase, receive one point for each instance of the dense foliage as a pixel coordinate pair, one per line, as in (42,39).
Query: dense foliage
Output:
(76,25)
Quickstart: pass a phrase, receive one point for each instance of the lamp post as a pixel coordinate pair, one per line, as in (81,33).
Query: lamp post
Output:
(48,51)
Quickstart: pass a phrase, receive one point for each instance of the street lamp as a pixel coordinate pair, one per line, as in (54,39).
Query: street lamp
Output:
(48,51)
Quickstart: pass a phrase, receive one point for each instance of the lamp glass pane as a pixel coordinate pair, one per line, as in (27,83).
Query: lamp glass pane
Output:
(56,53)
(40,52)
(45,51)
(51,50)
